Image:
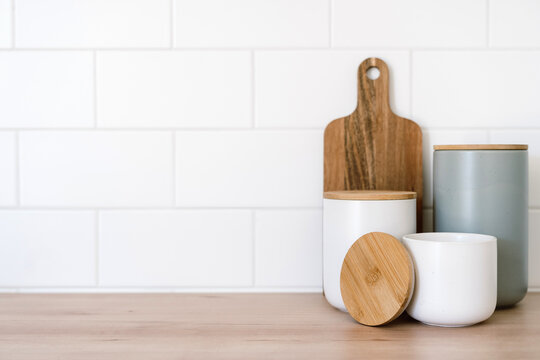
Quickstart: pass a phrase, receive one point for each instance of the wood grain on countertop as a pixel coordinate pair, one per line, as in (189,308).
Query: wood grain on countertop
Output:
(243,326)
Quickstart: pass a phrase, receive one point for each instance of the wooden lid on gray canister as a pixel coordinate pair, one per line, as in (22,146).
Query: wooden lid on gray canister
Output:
(370,195)
(482,147)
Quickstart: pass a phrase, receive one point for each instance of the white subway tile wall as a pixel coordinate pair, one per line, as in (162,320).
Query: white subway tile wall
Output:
(411,23)
(514,24)
(46,89)
(176,145)
(288,248)
(8,168)
(6,35)
(92,23)
(47,248)
(251,23)
(196,248)
(249,168)
(166,89)
(488,89)
(96,169)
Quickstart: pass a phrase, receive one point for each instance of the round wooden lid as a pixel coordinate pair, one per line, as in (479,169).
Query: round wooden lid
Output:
(377,279)
(369,195)
(482,147)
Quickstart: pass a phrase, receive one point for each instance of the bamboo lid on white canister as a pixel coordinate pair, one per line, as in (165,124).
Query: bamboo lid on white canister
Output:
(377,279)
(370,195)
(482,147)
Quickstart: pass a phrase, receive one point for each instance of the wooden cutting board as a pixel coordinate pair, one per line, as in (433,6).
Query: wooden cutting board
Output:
(373,148)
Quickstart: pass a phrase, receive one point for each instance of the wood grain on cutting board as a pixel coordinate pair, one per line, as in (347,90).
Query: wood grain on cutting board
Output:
(373,148)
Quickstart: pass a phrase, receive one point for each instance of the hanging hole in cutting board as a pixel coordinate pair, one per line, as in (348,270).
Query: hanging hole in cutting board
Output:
(373,73)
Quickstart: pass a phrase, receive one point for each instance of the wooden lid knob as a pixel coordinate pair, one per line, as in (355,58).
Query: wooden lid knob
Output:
(377,279)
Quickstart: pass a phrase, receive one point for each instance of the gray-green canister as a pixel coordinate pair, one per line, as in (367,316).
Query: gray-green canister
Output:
(484,189)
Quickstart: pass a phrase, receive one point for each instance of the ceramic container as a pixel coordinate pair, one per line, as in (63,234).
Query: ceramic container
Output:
(347,215)
(484,189)
(455,278)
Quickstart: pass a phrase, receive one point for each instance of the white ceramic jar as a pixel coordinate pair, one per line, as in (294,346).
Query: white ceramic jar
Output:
(347,215)
(455,278)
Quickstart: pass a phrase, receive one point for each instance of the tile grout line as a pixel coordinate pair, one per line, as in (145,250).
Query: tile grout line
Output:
(479,128)
(411,84)
(177,289)
(13,24)
(171,20)
(162,129)
(253,248)
(173,134)
(488,24)
(246,129)
(94,82)
(283,49)
(253,120)
(157,208)
(330,14)
(177,208)
(17,171)
(96,246)
(161,289)
(172,290)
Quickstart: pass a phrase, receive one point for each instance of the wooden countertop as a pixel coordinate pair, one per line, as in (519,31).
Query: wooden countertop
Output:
(243,326)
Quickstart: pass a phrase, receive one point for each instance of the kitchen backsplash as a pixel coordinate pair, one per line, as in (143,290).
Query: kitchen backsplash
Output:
(157,145)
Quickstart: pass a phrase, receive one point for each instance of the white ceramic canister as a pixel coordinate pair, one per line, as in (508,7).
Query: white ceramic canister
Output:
(455,278)
(347,215)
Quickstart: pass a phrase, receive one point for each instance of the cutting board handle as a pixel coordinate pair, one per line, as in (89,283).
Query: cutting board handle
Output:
(372,94)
